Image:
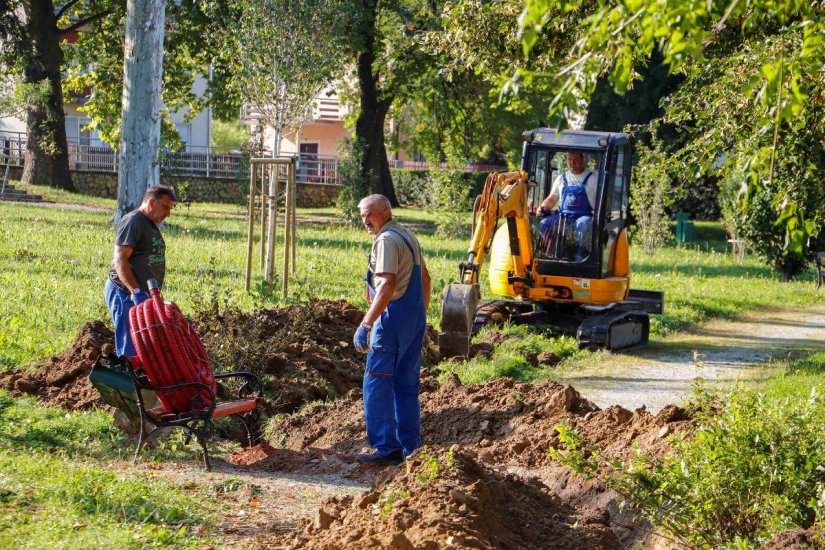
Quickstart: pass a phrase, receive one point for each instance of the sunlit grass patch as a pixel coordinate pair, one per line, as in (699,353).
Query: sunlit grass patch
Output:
(53,265)
(56,488)
(47,500)
(515,356)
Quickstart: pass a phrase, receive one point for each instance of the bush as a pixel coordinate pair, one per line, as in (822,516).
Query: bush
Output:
(354,186)
(413,187)
(452,199)
(757,221)
(753,469)
(229,134)
(651,193)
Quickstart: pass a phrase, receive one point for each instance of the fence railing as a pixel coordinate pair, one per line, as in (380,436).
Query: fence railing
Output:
(205,162)
(13,145)
(424,165)
(314,168)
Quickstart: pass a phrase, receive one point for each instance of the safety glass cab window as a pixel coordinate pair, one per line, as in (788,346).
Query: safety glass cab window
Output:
(567,234)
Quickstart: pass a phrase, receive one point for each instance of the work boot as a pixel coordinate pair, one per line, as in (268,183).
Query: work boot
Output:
(375,459)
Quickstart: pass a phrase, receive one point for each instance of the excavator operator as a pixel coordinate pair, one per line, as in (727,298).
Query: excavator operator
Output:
(577,190)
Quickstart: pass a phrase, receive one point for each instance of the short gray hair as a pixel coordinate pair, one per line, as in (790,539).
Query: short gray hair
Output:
(378,200)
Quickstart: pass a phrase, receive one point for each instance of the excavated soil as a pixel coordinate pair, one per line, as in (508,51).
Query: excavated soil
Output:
(452,500)
(797,539)
(501,429)
(63,380)
(302,353)
(500,422)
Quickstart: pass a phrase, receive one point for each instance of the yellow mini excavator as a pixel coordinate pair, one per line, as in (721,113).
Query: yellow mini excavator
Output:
(568,270)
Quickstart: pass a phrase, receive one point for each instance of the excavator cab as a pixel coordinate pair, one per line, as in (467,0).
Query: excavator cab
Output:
(568,268)
(561,236)
(576,245)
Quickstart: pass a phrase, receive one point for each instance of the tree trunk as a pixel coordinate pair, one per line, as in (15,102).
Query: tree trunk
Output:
(375,103)
(46,160)
(139,151)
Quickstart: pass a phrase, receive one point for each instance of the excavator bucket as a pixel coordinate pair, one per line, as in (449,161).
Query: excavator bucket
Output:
(458,309)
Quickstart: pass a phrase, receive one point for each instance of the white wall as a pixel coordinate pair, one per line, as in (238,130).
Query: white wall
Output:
(198,131)
(12,125)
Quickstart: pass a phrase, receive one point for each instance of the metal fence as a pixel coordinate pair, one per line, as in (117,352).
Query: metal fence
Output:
(314,168)
(204,162)
(13,145)
(424,165)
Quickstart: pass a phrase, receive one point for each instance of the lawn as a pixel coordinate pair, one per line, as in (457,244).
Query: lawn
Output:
(65,472)
(53,263)
(58,487)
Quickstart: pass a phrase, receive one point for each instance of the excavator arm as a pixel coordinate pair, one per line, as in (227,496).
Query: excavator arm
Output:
(504,196)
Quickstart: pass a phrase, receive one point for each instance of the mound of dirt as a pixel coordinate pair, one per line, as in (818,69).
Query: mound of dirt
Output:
(499,422)
(506,425)
(449,500)
(303,353)
(63,380)
(797,539)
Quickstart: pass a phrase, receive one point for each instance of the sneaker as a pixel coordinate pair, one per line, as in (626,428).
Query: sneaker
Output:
(375,459)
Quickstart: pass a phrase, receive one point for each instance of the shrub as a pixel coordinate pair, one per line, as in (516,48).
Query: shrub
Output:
(354,186)
(753,468)
(452,189)
(757,221)
(230,134)
(413,187)
(651,193)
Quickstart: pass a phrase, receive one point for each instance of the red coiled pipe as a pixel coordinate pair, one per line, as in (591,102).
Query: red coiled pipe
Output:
(170,353)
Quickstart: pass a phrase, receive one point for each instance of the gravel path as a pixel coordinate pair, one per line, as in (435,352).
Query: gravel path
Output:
(721,352)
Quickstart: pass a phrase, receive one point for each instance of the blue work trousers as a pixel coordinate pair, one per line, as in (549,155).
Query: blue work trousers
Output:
(391,402)
(119,304)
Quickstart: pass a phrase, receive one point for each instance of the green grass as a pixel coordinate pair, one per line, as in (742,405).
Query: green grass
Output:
(510,357)
(53,264)
(58,488)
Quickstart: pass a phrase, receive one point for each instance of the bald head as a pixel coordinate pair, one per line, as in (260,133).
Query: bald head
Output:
(375,212)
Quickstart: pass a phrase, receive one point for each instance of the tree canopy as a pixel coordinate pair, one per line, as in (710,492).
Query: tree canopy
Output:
(751,106)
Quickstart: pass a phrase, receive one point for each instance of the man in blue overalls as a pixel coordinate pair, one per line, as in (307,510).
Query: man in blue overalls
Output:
(392,332)
(577,190)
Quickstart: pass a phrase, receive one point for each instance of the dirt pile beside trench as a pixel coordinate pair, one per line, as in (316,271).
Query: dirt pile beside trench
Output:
(501,422)
(303,353)
(797,539)
(449,500)
(63,380)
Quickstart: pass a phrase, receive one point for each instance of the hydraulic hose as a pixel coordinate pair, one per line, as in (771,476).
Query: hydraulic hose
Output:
(171,353)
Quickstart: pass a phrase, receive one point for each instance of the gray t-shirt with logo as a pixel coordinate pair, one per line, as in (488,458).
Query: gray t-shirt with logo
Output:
(148,259)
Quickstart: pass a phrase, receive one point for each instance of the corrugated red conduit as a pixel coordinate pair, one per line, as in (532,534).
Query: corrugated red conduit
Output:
(170,353)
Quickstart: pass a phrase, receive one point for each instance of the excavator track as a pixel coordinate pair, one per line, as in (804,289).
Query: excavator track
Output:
(496,312)
(614,330)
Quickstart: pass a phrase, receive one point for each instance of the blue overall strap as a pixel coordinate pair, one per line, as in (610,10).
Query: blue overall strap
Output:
(574,201)
(584,182)
(403,238)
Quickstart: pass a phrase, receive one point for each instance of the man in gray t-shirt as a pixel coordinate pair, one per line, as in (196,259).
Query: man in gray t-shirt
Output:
(139,255)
